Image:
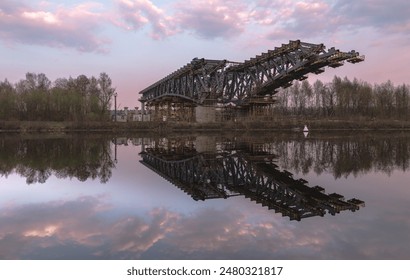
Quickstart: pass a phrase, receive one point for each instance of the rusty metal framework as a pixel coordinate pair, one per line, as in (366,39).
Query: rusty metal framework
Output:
(233,172)
(204,81)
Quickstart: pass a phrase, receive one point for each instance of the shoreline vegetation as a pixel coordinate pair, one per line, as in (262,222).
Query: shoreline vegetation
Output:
(169,126)
(35,104)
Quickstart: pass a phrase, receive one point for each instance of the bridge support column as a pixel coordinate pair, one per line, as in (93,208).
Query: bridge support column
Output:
(205,114)
(143,108)
(157,114)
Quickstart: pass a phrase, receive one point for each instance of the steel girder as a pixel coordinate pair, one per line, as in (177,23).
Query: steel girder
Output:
(192,82)
(224,81)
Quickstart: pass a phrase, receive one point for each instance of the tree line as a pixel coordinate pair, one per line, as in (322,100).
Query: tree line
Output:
(75,156)
(351,154)
(36,98)
(343,98)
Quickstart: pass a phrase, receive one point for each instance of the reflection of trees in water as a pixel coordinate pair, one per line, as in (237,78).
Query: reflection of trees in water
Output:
(345,156)
(36,159)
(85,156)
(340,154)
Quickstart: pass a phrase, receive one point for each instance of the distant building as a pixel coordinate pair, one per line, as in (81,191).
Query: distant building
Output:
(127,115)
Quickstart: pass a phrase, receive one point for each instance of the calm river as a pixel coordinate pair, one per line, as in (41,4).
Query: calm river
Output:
(244,196)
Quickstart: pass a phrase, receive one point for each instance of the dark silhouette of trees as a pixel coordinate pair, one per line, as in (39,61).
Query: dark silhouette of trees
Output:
(76,156)
(8,101)
(345,155)
(344,99)
(36,98)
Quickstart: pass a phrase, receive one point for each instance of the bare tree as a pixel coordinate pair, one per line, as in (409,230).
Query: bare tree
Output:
(106,92)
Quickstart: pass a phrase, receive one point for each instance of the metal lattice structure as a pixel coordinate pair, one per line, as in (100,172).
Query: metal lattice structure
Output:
(223,81)
(225,174)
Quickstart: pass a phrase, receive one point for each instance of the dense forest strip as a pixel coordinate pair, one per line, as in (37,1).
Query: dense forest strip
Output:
(36,98)
(344,99)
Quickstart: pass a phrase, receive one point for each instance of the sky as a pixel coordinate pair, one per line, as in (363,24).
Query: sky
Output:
(137,42)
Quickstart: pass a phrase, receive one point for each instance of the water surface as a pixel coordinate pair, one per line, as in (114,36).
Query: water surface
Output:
(278,196)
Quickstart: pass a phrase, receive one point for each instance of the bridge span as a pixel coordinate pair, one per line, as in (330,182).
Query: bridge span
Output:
(196,89)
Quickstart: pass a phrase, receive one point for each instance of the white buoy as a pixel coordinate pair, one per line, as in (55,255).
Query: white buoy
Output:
(305,129)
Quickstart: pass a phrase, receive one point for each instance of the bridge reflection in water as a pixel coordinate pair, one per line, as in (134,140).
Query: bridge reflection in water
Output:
(231,168)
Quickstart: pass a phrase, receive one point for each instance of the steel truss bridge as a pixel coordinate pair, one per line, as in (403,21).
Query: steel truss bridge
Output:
(206,81)
(254,175)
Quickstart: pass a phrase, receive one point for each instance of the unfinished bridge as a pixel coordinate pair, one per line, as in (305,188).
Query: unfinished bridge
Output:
(195,90)
(238,169)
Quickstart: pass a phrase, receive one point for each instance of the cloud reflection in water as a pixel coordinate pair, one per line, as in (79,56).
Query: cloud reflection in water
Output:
(87,228)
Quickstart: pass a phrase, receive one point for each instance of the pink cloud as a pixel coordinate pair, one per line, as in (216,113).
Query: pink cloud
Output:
(206,18)
(309,19)
(299,19)
(80,26)
(73,27)
(135,14)
(213,18)
(267,12)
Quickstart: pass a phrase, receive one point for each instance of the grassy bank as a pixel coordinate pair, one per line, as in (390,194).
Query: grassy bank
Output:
(285,124)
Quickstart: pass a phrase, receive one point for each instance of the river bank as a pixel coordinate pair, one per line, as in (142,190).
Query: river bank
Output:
(271,125)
